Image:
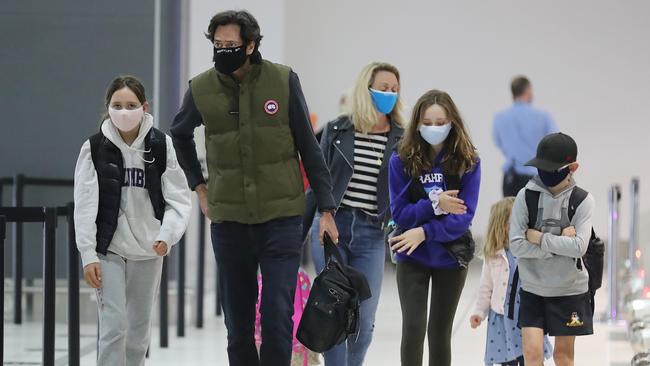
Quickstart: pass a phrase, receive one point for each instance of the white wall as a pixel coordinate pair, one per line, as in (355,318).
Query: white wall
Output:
(589,62)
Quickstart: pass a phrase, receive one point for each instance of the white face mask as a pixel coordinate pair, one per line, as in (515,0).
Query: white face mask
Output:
(124,119)
(435,135)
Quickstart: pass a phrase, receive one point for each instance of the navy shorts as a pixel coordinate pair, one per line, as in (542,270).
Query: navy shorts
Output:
(557,316)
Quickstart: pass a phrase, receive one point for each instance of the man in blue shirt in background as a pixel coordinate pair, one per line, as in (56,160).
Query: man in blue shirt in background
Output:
(517,131)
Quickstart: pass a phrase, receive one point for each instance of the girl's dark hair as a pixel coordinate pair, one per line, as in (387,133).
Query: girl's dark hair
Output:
(416,154)
(120,82)
(127,81)
(249,29)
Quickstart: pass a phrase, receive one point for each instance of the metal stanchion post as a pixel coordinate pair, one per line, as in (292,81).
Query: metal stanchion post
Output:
(17,251)
(74,355)
(180,296)
(49,285)
(3,231)
(612,257)
(634,253)
(164,305)
(200,280)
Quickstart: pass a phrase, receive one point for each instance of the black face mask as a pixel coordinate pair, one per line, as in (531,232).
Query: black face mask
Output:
(228,60)
(552,179)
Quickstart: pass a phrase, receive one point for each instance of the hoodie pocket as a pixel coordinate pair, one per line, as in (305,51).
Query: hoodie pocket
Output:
(560,272)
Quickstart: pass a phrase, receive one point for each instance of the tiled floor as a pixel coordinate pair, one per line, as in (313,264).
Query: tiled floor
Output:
(206,346)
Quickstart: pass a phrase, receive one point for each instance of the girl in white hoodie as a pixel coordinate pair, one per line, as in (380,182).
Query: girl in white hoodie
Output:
(132,203)
(496,302)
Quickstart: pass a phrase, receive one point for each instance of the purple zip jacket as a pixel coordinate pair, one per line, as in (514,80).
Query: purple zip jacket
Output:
(410,215)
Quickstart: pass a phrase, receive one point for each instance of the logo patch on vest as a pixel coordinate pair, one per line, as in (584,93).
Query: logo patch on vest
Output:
(271,107)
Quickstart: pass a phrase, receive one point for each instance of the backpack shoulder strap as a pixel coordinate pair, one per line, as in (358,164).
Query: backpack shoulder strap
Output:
(577,196)
(513,294)
(532,202)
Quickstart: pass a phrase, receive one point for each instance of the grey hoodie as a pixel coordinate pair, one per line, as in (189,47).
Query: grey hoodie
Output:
(550,269)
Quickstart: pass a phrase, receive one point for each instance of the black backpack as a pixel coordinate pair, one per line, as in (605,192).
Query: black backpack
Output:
(461,249)
(332,310)
(594,257)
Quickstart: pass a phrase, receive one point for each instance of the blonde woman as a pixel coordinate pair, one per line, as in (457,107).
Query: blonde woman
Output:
(357,148)
(496,300)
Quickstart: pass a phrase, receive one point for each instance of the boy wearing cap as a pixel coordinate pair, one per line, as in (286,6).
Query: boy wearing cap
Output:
(554,297)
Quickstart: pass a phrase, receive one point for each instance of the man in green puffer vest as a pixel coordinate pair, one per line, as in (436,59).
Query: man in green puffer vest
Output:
(256,129)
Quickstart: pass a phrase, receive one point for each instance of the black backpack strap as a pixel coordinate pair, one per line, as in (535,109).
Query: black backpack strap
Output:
(577,196)
(513,294)
(575,200)
(532,202)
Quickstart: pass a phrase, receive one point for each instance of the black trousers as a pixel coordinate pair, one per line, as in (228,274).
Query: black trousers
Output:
(413,286)
(513,183)
(275,248)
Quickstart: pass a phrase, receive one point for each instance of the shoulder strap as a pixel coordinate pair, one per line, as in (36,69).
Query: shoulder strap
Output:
(513,294)
(453,181)
(577,196)
(532,202)
(416,190)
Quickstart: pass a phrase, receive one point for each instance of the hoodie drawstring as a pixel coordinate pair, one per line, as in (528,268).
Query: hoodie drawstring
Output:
(144,152)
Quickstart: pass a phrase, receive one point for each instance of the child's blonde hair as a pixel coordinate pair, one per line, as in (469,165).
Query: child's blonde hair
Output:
(497,235)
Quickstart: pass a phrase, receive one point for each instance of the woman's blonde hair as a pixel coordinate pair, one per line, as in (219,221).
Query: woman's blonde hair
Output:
(497,235)
(362,110)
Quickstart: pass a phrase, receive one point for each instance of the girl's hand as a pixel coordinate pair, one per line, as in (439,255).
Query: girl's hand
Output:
(448,201)
(409,241)
(93,275)
(475,321)
(160,247)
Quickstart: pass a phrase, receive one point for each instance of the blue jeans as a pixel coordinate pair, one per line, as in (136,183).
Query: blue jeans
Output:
(361,243)
(275,247)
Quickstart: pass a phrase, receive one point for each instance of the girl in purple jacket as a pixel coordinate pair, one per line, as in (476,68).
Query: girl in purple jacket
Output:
(435,151)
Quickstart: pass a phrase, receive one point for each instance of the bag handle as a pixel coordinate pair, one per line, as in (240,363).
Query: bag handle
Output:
(331,250)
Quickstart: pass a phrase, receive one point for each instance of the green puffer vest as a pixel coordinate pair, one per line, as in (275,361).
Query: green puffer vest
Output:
(254,176)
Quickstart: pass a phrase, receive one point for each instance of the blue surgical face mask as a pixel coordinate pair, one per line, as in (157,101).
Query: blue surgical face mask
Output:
(435,135)
(552,179)
(384,101)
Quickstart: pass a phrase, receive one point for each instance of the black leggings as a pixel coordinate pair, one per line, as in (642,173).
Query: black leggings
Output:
(517,362)
(413,286)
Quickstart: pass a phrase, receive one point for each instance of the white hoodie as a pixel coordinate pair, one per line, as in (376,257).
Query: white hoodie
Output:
(137,228)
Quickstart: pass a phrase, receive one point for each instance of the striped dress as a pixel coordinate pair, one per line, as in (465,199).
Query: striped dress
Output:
(368,155)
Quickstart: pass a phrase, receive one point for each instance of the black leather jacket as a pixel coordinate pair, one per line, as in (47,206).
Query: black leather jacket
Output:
(337,144)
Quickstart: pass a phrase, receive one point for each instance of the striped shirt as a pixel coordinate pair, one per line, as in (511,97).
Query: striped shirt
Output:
(368,155)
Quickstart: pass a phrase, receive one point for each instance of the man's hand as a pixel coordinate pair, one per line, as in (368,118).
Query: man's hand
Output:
(534,236)
(202,192)
(327,224)
(160,247)
(569,231)
(93,275)
(409,241)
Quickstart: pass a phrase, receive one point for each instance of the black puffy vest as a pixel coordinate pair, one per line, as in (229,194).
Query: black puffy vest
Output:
(109,164)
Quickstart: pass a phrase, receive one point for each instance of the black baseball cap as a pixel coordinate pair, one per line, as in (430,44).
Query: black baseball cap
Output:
(555,151)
